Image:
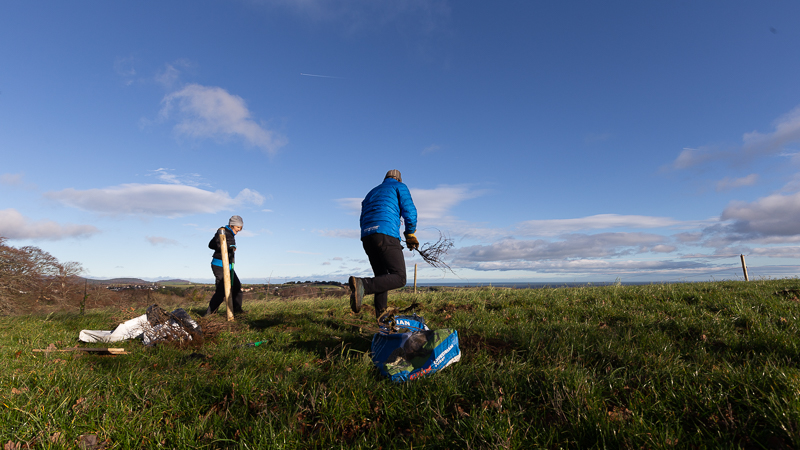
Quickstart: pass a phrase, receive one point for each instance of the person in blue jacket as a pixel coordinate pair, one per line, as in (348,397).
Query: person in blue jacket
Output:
(381,211)
(235,225)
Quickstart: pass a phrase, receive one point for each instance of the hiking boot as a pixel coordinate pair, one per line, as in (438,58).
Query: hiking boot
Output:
(356,293)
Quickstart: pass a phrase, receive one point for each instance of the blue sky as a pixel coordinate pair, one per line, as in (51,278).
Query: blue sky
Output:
(553,141)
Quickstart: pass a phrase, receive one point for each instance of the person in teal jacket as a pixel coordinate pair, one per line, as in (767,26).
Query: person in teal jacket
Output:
(381,211)
(235,225)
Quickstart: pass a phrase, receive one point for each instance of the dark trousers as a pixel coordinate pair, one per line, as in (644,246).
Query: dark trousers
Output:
(219,294)
(386,258)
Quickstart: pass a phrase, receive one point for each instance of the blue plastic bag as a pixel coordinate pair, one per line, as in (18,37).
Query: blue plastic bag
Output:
(414,353)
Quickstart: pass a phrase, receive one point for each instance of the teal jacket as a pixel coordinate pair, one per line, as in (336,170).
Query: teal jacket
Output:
(230,238)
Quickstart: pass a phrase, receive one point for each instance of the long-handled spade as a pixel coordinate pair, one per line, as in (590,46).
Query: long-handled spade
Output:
(226,273)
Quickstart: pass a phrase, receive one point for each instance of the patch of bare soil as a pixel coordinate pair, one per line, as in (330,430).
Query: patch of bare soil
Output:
(214,325)
(449,308)
(789,294)
(473,343)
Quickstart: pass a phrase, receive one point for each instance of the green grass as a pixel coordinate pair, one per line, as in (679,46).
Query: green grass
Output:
(702,365)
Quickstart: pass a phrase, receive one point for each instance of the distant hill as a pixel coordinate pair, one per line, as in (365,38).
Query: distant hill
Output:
(138,281)
(120,281)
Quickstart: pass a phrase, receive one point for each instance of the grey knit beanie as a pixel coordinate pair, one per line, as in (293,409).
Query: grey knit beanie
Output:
(394,173)
(236,221)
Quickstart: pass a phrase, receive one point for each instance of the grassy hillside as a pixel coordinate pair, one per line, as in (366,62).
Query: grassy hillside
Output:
(662,366)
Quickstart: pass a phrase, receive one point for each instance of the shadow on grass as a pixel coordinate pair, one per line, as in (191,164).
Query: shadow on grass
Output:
(344,339)
(325,349)
(198,311)
(264,323)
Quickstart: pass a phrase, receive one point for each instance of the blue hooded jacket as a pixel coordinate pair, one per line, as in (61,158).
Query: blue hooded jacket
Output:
(384,205)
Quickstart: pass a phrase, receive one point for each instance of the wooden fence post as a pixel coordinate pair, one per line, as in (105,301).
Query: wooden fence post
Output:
(415,278)
(744,268)
(226,272)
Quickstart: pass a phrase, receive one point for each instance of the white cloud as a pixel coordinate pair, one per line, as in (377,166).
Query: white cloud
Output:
(125,69)
(14,225)
(168,176)
(16,180)
(661,248)
(600,245)
(172,72)
(776,252)
(166,200)
(771,240)
(597,222)
(423,15)
(11,179)
(156,241)
(596,266)
(691,157)
(793,184)
(689,237)
(431,149)
(431,204)
(435,204)
(168,76)
(352,205)
(726,183)
(165,176)
(249,196)
(212,112)
(787,130)
(347,233)
(774,215)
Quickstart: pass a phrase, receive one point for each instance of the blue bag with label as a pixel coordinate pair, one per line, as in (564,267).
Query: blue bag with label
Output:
(415,351)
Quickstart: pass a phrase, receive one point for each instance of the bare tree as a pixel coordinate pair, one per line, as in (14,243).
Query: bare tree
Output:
(68,281)
(31,273)
(18,267)
(43,272)
(16,275)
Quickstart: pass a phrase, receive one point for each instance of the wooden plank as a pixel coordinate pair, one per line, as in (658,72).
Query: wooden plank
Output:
(102,350)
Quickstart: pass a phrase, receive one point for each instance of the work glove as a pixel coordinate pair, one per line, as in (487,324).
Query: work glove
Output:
(411,241)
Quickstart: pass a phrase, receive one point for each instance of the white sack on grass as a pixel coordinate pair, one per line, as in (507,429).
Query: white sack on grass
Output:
(131,329)
(161,326)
